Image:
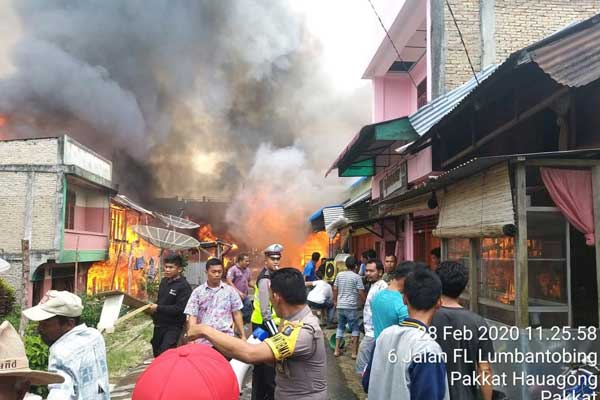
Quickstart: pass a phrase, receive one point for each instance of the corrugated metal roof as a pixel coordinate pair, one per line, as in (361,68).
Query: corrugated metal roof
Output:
(573,60)
(361,197)
(319,213)
(331,214)
(430,114)
(577,74)
(125,201)
(358,212)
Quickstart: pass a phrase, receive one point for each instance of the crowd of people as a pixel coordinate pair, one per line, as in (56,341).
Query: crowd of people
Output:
(409,310)
(403,306)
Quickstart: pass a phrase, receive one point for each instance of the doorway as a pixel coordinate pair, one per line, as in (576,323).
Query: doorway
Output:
(583,281)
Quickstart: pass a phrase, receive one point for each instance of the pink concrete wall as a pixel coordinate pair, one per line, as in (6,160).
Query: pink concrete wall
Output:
(391,97)
(87,240)
(395,95)
(91,219)
(418,73)
(408,239)
(375,194)
(47,285)
(419,166)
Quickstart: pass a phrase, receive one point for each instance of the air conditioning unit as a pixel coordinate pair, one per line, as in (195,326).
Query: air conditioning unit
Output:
(335,266)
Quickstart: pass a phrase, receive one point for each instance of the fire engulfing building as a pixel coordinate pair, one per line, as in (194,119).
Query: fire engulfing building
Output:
(54,204)
(132,262)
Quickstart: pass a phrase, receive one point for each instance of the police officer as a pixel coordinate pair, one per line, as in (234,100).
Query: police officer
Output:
(298,350)
(265,317)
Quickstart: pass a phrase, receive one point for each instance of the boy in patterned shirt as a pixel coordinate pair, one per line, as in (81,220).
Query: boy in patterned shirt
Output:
(215,303)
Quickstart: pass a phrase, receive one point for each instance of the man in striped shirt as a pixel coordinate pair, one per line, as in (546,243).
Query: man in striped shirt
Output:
(348,291)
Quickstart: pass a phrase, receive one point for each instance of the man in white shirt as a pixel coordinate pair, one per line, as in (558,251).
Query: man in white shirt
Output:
(77,352)
(321,298)
(373,273)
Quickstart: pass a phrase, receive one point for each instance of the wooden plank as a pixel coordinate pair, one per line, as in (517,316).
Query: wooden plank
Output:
(521,268)
(596,192)
(132,314)
(444,249)
(128,300)
(474,275)
(563,163)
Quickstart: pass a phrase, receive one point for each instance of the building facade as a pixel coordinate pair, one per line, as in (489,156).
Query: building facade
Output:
(416,88)
(56,196)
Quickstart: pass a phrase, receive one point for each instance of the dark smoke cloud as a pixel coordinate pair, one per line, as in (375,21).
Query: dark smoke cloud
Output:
(164,81)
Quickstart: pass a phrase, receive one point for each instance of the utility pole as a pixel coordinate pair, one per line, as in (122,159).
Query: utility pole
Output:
(24,281)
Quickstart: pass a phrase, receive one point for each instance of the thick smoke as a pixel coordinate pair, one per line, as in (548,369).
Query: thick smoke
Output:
(210,97)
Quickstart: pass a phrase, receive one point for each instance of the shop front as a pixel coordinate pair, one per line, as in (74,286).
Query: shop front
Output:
(528,242)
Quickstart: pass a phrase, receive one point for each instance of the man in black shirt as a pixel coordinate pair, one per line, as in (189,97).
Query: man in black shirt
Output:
(473,360)
(167,314)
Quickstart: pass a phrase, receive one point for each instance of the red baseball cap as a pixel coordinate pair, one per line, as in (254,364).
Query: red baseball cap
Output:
(190,372)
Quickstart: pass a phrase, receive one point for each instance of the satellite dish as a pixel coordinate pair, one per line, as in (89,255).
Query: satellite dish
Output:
(176,222)
(164,238)
(4,265)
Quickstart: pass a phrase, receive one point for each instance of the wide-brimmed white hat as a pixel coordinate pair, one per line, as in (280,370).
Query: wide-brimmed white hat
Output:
(14,362)
(55,303)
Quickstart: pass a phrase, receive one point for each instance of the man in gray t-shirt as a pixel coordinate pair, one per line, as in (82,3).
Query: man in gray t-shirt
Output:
(348,291)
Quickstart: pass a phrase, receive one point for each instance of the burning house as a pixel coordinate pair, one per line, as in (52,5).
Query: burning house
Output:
(55,195)
(132,262)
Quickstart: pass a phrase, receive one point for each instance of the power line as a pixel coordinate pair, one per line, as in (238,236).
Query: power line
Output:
(462,41)
(391,41)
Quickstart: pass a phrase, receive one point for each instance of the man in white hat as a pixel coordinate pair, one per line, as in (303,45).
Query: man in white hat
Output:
(15,375)
(77,352)
(264,316)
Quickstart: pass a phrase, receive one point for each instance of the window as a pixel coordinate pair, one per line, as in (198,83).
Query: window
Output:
(117,223)
(497,280)
(460,250)
(496,285)
(547,265)
(423,239)
(422,93)
(70,210)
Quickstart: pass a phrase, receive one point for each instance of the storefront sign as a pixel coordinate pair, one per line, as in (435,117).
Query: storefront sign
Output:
(395,180)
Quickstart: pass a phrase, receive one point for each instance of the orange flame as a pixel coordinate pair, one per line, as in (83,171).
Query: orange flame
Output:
(205,233)
(2,120)
(315,242)
(131,257)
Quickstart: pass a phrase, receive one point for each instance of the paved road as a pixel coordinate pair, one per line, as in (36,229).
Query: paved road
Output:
(338,388)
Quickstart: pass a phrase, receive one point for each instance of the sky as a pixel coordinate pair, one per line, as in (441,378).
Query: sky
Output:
(347,30)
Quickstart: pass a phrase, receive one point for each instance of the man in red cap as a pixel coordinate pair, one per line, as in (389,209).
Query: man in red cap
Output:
(298,350)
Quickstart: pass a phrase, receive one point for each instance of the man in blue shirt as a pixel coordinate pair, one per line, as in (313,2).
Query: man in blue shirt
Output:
(408,363)
(310,269)
(387,306)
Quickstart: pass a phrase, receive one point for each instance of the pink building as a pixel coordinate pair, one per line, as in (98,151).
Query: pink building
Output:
(56,197)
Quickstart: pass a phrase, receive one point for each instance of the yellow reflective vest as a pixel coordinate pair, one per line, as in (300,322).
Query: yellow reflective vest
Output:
(256,317)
